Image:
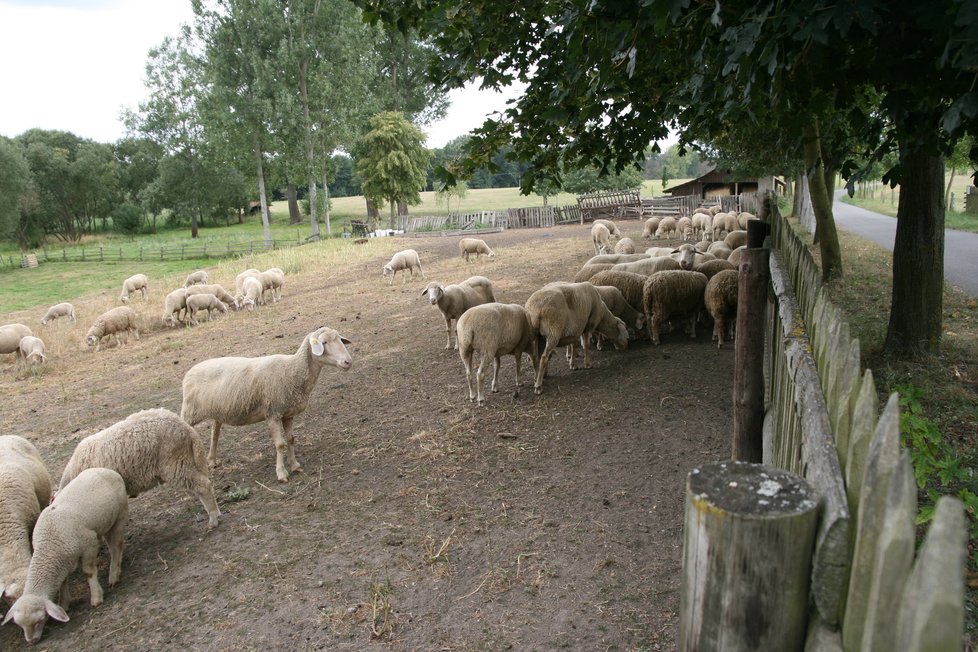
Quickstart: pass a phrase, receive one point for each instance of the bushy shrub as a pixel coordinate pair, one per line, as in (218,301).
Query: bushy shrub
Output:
(127,219)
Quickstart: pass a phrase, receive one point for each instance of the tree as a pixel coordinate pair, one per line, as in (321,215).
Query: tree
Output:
(127,219)
(392,161)
(959,159)
(16,188)
(446,194)
(589,179)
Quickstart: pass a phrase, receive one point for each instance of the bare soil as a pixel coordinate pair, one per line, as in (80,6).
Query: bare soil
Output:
(421,522)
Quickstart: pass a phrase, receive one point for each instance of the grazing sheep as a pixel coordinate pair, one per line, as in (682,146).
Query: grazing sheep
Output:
(666,226)
(251,295)
(92,507)
(173,305)
(615,258)
(744,217)
(625,246)
(112,322)
(147,449)
(133,283)
(403,260)
(217,290)
(272,280)
(453,300)
(240,278)
(586,272)
(720,298)
(712,267)
(647,266)
(684,226)
(650,228)
(468,246)
(10,337)
(702,210)
(600,238)
(703,225)
(208,302)
(719,224)
(196,278)
(620,307)
(673,293)
(730,223)
(272,388)
(716,209)
(719,249)
(59,310)
(564,314)
(25,488)
(735,239)
(611,226)
(737,255)
(494,330)
(30,351)
(630,284)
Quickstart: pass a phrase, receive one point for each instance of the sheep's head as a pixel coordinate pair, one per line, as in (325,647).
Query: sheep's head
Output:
(124,298)
(328,346)
(492,255)
(31,612)
(686,257)
(621,339)
(435,291)
(388,269)
(91,340)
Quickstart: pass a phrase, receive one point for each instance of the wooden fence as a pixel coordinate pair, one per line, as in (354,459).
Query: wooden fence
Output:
(608,204)
(453,221)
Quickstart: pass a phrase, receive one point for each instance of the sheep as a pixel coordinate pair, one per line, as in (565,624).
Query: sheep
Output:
(744,217)
(716,209)
(730,223)
(737,255)
(670,293)
(651,226)
(629,284)
(196,278)
(702,210)
(10,337)
(272,279)
(600,238)
(720,298)
(625,246)
(586,272)
(455,299)
(59,310)
(735,239)
(272,388)
(649,266)
(495,330)
(565,313)
(147,449)
(684,226)
(133,283)
(403,260)
(687,256)
(666,225)
(719,224)
(611,226)
(657,252)
(719,249)
(30,351)
(615,258)
(25,487)
(702,246)
(703,225)
(620,307)
(91,507)
(240,278)
(712,267)
(251,295)
(467,246)
(208,302)
(217,290)
(173,305)
(112,322)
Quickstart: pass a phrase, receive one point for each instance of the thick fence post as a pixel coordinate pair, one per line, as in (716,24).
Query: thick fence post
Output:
(748,539)
(749,347)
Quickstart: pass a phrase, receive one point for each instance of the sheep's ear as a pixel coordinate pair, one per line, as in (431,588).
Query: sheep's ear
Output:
(8,617)
(345,341)
(424,291)
(674,251)
(317,346)
(55,611)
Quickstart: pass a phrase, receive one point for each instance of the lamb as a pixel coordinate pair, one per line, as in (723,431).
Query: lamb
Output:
(31,351)
(713,267)
(615,258)
(453,300)
(495,330)
(272,388)
(59,310)
(173,305)
(600,238)
(147,449)
(684,226)
(240,278)
(630,285)
(625,246)
(651,226)
(91,507)
(10,337)
(112,322)
(586,272)
(671,293)
(217,290)
(208,302)
(133,283)
(649,266)
(467,246)
(719,249)
(403,260)
(251,295)
(735,239)
(611,226)
(25,487)
(196,278)
(720,298)
(565,313)
(737,255)
(666,226)
(272,279)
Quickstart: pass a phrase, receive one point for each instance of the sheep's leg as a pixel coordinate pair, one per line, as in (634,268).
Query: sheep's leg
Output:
(467,363)
(89,566)
(586,345)
(212,453)
(448,333)
(480,380)
(654,323)
(290,440)
(116,542)
(278,439)
(542,366)
(204,490)
(495,373)
(420,270)
(691,331)
(519,357)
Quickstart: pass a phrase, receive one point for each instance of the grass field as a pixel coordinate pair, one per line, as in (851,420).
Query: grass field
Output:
(883,199)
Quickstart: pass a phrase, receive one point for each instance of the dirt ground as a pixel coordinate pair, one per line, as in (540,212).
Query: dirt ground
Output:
(421,522)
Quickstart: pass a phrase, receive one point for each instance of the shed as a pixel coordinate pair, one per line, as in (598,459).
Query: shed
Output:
(723,183)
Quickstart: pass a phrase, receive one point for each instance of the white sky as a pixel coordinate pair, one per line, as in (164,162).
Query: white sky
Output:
(73,65)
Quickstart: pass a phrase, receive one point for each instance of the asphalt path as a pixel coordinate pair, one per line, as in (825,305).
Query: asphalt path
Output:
(960,247)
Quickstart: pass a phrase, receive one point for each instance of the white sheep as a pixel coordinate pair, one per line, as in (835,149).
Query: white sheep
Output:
(735,239)
(630,284)
(92,507)
(611,226)
(133,283)
(25,488)
(647,266)
(407,259)
(702,210)
(730,223)
(620,307)
(567,313)
(586,272)
(113,322)
(217,290)
(240,278)
(650,228)
(719,249)
(720,298)
(658,252)
(174,303)
(688,257)
(59,310)
(147,449)
(455,299)
(666,226)
(719,224)
(616,258)
(677,292)
(737,255)
(272,281)
(208,302)
(196,278)
(10,337)
(468,246)
(272,388)
(625,246)
(713,267)
(251,293)
(600,238)
(703,225)
(31,351)
(703,246)
(744,217)
(684,226)
(494,330)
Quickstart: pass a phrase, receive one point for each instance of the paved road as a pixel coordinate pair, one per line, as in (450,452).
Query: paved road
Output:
(960,247)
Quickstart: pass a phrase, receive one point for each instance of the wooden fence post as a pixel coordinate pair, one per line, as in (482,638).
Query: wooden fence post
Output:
(749,347)
(744,587)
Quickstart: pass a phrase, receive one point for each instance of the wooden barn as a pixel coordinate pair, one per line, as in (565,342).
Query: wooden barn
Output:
(723,183)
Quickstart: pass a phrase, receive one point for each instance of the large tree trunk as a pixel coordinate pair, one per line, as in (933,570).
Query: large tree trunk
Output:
(326,215)
(918,259)
(195,200)
(373,215)
(825,232)
(310,153)
(394,205)
(295,216)
(262,195)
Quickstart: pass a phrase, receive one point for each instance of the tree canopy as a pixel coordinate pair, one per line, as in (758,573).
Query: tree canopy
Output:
(393,161)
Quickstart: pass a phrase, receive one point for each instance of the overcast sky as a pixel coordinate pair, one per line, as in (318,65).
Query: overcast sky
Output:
(73,65)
